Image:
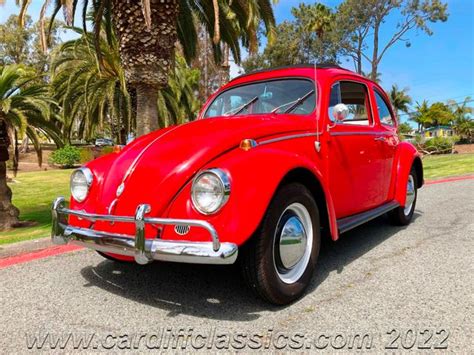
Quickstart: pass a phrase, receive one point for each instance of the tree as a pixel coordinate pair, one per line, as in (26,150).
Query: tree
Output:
(95,101)
(463,123)
(22,44)
(25,109)
(14,41)
(439,114)
(148,30)
(404,128)
(91,98)
(309,38)
(361,22)
(420,117)
(401,101)
(178,102)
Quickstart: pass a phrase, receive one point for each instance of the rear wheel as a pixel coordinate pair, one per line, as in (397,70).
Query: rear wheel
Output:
(403,215)
(279,260)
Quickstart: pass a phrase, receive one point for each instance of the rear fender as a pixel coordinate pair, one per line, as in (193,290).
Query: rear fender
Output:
(407,156)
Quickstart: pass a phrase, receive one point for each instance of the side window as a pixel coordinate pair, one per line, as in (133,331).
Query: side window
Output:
(356,98)
(384,112)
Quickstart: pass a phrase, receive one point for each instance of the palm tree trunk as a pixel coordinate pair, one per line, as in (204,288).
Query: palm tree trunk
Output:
(8,213)
(146,52)
(147,109)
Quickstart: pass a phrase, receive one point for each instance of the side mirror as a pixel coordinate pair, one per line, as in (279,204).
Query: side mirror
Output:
(340,112)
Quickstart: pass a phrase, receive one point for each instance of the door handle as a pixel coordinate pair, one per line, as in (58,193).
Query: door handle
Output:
(380,139)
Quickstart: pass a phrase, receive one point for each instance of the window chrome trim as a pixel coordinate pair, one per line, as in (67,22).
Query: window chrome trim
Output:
(352,80)
(389,106)
(282,78)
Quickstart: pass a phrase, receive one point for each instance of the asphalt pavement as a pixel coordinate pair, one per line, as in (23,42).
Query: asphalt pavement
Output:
(379,288)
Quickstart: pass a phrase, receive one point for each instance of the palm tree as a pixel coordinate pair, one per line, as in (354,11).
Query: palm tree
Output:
(148,31)
(25,109)
(93,99)
(378,76)
(421,117)
(401,101)
(178,102)
(463,124)
(322,19)
(90,97)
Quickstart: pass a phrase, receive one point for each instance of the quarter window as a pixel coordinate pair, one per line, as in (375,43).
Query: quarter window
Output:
(385,115)
(355,97)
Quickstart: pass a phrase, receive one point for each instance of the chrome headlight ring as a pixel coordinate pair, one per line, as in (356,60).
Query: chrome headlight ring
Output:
(210,191)
(81,181)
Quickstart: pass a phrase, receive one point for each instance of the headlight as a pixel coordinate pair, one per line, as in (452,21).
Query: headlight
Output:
(210,191)
(81,181)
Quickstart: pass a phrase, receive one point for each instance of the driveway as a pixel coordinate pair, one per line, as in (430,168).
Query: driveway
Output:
(379,288)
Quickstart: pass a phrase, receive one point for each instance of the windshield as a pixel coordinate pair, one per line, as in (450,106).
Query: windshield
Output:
(295,96)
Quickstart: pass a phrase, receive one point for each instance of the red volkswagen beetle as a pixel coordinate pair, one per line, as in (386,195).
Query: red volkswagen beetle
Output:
(276,159)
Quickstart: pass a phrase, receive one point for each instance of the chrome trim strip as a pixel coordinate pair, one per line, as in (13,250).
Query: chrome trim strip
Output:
(347,223)
(366,133)
(292,136)
(134,164)
(144,250)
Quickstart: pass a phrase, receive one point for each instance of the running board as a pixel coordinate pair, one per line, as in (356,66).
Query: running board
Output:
(348,223)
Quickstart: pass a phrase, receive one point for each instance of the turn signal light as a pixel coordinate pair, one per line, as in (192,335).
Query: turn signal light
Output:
(247,144)
(117,148)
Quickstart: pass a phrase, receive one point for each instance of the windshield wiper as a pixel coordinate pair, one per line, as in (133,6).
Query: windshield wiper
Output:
(241,108)
(294,103)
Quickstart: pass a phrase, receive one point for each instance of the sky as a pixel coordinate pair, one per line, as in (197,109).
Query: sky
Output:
(436,68)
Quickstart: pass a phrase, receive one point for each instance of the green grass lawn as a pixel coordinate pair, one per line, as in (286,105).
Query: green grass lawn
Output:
(439,166)
(33,193)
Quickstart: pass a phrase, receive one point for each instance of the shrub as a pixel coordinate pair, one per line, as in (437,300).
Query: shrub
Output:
(437,145)
(66,157)
(86,155)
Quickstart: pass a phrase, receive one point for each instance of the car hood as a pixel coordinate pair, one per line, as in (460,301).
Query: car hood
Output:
(155,167)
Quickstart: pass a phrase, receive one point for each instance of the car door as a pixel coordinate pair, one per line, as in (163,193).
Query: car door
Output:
(388,141)
(355,160)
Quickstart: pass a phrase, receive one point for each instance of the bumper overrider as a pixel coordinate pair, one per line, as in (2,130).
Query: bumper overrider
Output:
(137,246)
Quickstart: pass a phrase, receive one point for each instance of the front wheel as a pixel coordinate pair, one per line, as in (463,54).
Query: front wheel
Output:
(403,215)
(279,260)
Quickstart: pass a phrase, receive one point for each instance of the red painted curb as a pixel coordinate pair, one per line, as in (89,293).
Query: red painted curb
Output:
(39,254)
(455,178)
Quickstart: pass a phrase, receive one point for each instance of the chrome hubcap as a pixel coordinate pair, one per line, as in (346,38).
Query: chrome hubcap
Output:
(410,195)
(293,243)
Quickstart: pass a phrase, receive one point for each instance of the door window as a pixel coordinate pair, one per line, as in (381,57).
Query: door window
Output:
(355,97)
(385,115)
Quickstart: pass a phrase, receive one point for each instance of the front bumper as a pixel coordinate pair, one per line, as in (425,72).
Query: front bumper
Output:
(142,249)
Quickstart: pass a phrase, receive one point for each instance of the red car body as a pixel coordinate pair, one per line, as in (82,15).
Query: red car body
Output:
(356,172)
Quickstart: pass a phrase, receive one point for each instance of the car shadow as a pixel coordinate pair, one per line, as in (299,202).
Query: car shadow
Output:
(218,292)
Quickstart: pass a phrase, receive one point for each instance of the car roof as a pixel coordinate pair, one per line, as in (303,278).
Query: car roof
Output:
(295,66)
(323,71)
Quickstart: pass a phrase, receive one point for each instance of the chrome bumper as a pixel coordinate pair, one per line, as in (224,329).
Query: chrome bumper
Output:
(142,249)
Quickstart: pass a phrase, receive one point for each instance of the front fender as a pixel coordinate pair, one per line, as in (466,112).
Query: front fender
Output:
(406,157)
(255,176)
